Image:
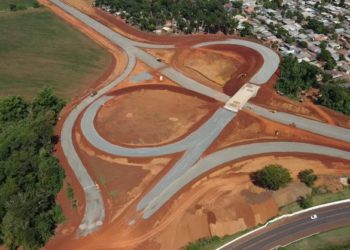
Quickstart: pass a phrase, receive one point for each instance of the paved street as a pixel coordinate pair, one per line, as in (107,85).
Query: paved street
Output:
(294,228)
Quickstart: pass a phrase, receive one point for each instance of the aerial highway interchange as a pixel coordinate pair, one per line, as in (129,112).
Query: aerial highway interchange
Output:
(191,165)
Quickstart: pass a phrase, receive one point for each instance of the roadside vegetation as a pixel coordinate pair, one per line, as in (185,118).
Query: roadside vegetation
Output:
(15,5)
(30,176)
(190,16)
(297,78)
(38,49)
(319,196)
(212,243)
(272,177)
(307,177)
(337,239)
(70,196)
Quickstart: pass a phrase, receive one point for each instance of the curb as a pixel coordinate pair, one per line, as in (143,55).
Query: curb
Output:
(283,217)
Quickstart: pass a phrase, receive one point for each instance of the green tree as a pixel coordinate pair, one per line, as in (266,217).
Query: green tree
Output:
(295,76)
(302,44)
(305,202)
(13,7)
(47,101)
(247,29)
(190,15)
(30,176)
(342,57)
(237,4)
(281,32)
(272,4)
(335,97)
(326,56)
(272,177)
(316,26)
(308,177)
(36,5)
(13,109)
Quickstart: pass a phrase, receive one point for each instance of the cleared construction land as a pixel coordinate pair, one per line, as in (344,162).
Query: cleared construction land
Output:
(138,191)
(38,49)
(119,120)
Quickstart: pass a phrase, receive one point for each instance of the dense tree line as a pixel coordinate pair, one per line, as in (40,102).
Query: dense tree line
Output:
(296,77)
(30,176)
(317,26)
(291,14)
(326,57)
(271,4)
(335,97)
(190,16)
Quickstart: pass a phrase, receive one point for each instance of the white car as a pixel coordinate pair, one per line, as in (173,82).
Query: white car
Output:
(313,217)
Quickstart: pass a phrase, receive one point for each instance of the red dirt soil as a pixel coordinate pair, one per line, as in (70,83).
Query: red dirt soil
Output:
(181,219)
(150,115)
(173,218)
(268,98)
(247,127)
(242,66)
(66,232)
(308,110)
(223,202)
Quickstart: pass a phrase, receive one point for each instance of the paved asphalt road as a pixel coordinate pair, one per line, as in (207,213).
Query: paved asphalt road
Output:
(94,212)
(294,228)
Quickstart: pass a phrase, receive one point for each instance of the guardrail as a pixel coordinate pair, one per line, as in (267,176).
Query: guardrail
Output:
(283,217)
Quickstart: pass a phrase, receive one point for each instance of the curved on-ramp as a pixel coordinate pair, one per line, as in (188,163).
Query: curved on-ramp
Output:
(94,207)
(271,59)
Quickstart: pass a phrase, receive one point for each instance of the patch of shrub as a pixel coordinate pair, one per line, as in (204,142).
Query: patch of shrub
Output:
(13,7)
(308,177)
(199,244)
(272,177)
(305,202)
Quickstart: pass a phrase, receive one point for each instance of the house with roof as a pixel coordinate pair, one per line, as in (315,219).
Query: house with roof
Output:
(313,48)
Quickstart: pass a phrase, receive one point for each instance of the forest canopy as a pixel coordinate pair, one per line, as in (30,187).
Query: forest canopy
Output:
(30,176)
(190,16)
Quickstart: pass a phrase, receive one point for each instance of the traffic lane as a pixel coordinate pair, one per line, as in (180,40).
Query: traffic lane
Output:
(307,232)
(278,237)
(293,221)
(290,225)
